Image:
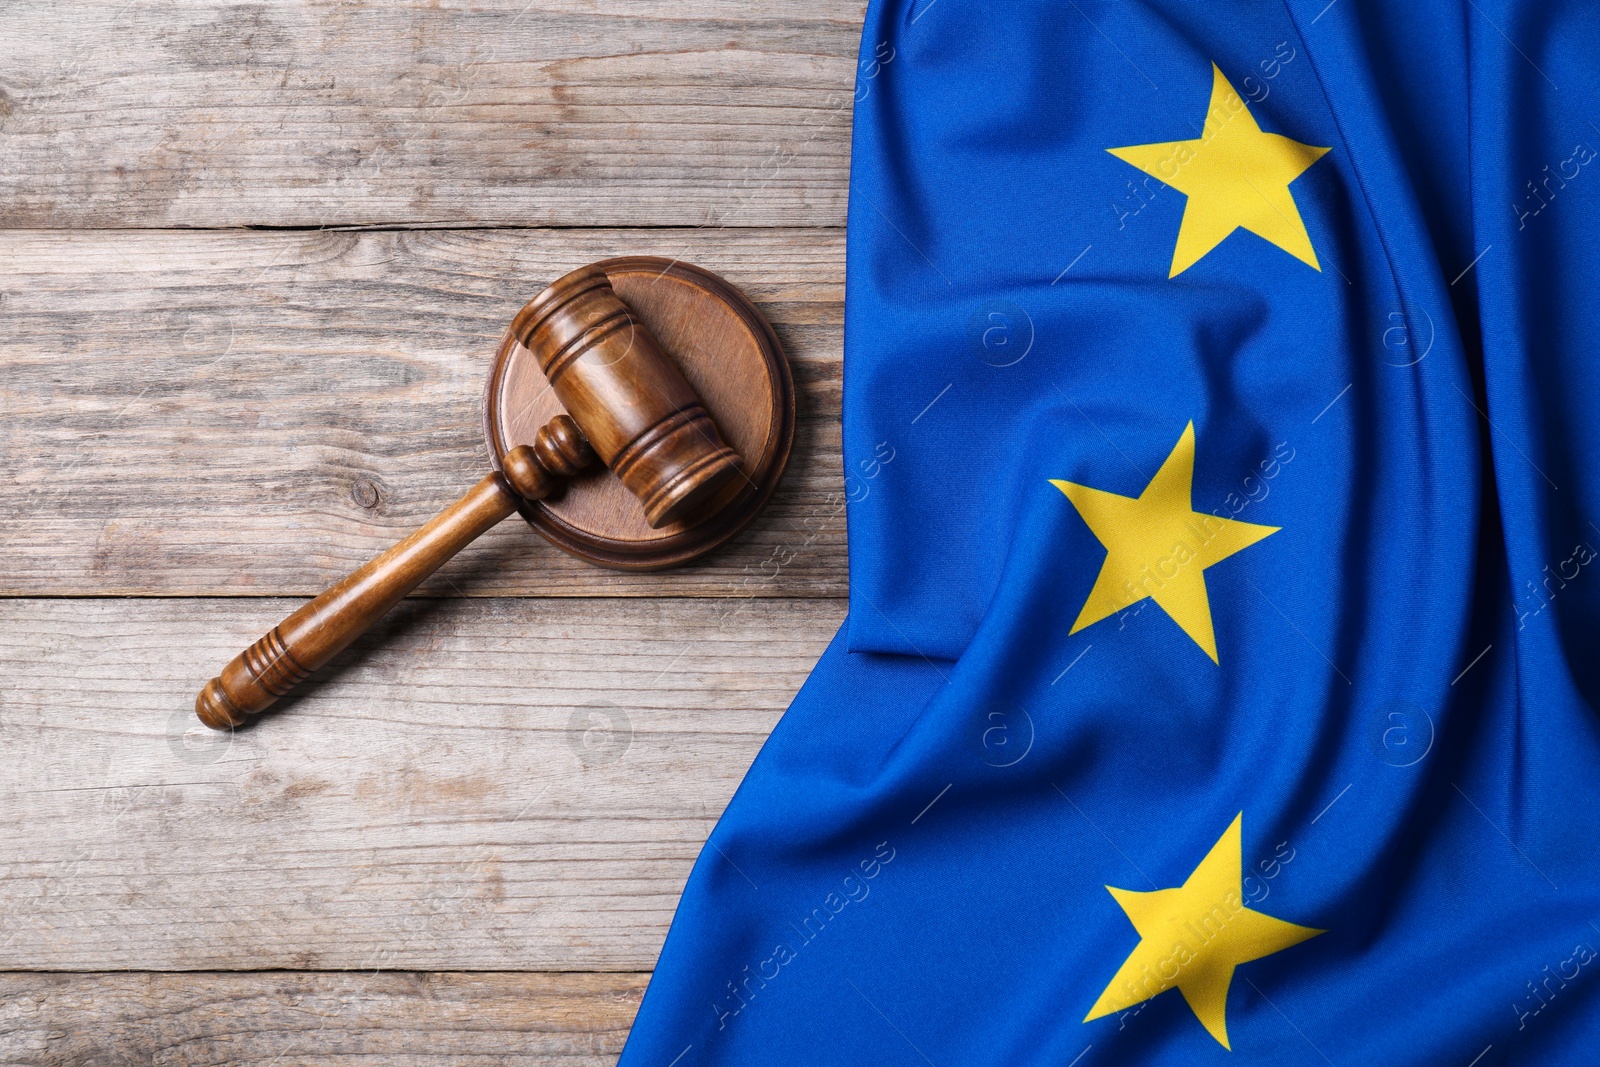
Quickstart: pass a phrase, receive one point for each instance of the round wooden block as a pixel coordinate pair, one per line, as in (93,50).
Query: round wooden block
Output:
(729,354)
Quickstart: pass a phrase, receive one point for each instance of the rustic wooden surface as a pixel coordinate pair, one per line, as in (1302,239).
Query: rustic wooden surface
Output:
(286,1018)
(504,112)
(254,260)
(506,784)
(249,413)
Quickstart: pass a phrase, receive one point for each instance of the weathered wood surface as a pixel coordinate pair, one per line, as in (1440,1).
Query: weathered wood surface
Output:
(284,1019)
(499,112)
(254,413)
(480,784)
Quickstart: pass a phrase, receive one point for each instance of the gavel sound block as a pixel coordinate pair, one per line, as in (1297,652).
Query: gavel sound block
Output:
(661,371)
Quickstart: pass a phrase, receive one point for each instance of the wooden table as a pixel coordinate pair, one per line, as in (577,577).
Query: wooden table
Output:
(254,263)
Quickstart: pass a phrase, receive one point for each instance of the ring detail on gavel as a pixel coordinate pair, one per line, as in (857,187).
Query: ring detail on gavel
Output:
(648,425)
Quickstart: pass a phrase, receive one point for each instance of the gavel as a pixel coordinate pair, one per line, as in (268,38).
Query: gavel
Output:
(627,403)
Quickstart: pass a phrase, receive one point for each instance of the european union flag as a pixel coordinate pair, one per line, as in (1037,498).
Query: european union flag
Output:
(1219,684)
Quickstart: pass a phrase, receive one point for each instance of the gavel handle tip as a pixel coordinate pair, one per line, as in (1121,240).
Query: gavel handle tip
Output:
(215,709)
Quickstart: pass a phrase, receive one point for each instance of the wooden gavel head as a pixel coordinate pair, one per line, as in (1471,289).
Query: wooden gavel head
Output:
(626,397)
(599,383)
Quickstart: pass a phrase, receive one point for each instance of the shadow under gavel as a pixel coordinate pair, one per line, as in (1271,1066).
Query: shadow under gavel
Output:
(626,401)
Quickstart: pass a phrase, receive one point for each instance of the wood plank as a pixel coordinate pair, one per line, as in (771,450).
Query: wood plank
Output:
(207,413)
(286,1019)
(499,112)
(498,784)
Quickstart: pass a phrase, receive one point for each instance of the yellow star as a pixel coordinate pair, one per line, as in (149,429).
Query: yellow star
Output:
(1234,175)
(1193,937)
(1158,547)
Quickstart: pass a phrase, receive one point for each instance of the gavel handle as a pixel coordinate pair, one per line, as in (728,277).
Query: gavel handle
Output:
(320,629)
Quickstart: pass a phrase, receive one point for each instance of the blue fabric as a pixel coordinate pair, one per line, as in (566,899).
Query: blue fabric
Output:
(1397,731)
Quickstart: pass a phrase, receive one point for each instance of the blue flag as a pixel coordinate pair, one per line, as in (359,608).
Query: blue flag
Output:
(1219,684)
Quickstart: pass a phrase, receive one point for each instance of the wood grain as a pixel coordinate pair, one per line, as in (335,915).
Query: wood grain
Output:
(255,413)
(284,1019)
(485,783)
(501,112)
(493,784)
